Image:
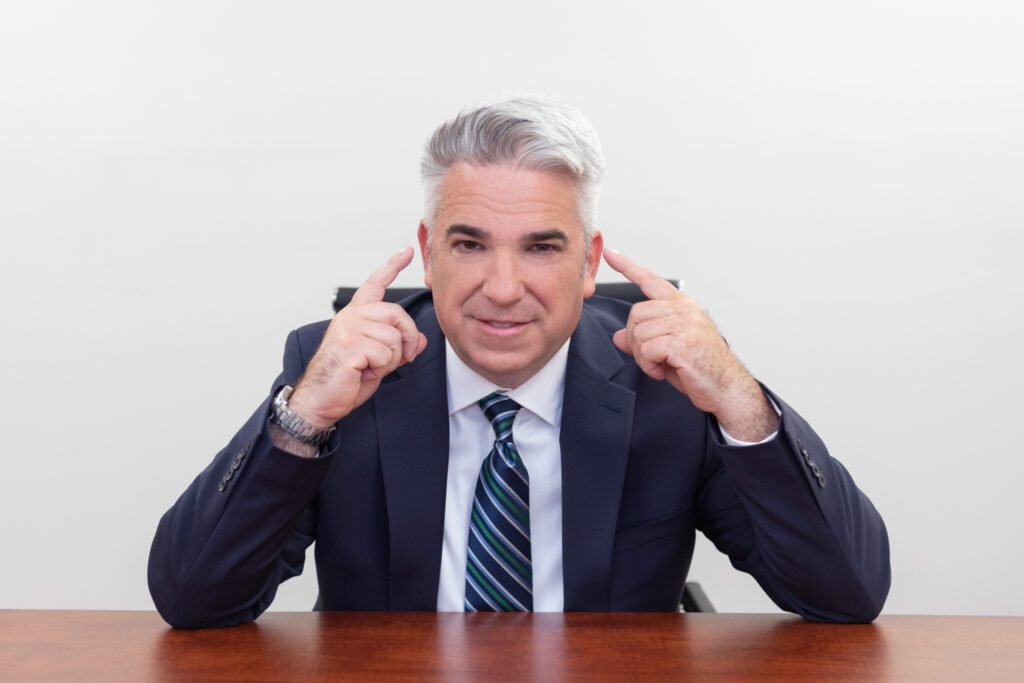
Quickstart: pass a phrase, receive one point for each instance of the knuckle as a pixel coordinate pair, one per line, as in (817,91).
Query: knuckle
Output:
(379,354)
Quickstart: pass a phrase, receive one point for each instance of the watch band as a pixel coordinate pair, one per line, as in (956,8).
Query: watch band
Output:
(293,424)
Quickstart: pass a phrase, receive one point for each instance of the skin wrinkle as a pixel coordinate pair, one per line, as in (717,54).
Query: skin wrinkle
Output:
(480,233)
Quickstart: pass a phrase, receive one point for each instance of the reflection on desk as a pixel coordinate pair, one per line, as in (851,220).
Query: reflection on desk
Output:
(83,646)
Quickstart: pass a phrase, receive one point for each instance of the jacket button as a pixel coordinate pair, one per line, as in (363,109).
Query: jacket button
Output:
(803,449)
(223,485)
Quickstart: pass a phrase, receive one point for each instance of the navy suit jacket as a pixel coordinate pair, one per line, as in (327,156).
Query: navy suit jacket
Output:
(642,470)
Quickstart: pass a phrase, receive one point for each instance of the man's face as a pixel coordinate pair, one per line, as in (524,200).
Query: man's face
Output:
(508,268)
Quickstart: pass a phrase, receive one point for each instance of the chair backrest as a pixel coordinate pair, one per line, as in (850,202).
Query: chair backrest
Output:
(625,291)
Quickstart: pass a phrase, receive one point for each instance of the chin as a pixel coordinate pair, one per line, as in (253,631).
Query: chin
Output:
(507,374)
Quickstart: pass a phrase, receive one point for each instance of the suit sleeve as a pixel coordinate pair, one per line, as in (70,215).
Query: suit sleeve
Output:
(242,526)
(790,515)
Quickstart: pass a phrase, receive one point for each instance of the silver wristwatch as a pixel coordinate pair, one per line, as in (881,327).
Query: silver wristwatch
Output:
(293,425)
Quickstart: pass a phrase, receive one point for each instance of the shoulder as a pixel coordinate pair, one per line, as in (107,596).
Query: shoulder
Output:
(611,314)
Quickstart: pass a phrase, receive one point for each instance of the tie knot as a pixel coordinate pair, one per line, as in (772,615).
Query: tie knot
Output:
(501,411)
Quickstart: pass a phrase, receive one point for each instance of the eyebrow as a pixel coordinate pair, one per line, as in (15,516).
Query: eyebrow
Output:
(480,233)
(547,235)
(468,230)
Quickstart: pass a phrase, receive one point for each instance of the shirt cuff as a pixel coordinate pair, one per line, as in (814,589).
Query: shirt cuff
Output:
(731,441)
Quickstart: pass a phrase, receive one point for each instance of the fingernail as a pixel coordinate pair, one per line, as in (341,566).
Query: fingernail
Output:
(614,251)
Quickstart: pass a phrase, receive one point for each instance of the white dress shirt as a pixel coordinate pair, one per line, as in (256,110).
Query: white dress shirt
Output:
(470,437)
(536,433)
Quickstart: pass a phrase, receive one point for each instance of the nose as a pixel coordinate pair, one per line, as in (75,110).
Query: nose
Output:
(503,282)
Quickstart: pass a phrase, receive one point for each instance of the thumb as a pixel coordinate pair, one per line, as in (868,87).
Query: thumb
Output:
(621,343)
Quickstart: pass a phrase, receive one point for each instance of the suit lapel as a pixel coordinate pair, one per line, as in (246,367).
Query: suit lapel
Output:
(597,418)
(412,428)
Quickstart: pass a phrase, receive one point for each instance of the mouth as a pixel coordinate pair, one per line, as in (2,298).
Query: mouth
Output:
(502,327)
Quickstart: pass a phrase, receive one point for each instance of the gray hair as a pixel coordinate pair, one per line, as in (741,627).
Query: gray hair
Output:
(532,133)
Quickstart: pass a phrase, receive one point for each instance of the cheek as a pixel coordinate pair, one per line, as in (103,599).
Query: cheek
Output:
(561,294)
(570,277)
(450,290)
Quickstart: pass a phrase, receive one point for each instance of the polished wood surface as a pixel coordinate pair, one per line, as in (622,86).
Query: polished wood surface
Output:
(283,646)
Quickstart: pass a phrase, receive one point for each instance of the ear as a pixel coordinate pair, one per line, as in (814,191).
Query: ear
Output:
(593,262)
(423,235)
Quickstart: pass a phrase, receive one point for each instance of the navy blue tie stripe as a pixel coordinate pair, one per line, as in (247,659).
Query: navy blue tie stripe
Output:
(499,570)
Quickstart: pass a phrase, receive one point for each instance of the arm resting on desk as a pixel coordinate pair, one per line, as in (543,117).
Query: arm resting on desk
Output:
(240,529)
(790,515)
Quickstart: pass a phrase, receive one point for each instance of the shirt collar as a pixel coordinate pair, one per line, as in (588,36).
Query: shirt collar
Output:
(541,394)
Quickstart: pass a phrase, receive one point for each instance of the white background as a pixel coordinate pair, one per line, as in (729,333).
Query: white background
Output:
(182,183)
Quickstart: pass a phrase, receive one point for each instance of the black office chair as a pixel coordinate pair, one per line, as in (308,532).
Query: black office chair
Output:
(694,598)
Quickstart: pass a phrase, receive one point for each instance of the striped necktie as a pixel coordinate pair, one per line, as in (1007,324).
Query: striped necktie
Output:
(499,571)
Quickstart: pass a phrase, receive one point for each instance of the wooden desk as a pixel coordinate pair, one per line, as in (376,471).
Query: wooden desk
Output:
(137,646)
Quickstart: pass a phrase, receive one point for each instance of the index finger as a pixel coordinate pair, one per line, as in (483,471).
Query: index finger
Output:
(372,290)
(652,285)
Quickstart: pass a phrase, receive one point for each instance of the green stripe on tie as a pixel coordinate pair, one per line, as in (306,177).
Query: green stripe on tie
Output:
(483,583)
(481,526)
(510,504)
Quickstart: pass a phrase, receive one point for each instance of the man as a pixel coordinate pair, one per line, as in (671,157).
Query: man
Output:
(505,442)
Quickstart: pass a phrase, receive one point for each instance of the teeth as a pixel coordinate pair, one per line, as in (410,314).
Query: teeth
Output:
(502,324)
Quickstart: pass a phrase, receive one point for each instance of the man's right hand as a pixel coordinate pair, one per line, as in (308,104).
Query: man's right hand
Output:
(365,341)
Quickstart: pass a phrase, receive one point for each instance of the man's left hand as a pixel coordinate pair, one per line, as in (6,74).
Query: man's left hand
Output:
(673,338)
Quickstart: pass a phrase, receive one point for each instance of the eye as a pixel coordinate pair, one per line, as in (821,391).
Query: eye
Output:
(467,245)
(544,248)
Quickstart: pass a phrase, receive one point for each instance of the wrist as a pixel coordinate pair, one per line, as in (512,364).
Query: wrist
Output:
(294,424)
(301,403)
(748,415)
(290,444)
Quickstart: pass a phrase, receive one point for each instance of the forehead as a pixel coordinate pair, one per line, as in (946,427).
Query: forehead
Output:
(503,198)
